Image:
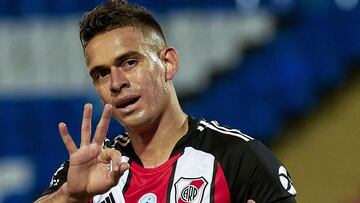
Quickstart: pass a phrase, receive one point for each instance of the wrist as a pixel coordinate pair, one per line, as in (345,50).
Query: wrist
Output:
(71,198)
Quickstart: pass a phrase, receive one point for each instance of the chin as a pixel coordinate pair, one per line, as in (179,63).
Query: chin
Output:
(133,120)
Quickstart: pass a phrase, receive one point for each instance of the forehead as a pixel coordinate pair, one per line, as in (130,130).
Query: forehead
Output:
(112,43)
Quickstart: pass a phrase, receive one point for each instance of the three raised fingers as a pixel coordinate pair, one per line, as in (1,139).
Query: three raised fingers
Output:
(100,132)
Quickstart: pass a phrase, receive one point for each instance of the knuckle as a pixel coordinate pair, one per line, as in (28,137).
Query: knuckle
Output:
(86,128)
(101,128)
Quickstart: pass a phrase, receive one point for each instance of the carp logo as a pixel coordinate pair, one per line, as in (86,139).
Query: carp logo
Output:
(190,189)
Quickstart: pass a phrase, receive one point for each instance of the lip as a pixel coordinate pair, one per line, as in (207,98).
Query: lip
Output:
(127,103)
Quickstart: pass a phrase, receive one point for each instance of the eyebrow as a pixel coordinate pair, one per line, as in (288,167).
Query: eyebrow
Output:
(118,60)
(123,57)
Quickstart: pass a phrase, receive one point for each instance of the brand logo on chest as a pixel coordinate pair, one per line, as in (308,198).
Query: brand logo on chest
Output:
(190,189)
(148,198)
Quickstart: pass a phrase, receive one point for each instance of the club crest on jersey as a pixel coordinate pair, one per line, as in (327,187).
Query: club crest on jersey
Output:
(190,189)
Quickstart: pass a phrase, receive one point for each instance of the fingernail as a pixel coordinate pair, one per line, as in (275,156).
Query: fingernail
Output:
(88,105)
(62,124)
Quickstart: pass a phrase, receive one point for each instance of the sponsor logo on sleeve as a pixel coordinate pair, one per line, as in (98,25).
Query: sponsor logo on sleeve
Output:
(286,181)
(190,189)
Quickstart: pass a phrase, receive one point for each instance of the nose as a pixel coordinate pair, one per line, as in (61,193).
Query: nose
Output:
(119,80)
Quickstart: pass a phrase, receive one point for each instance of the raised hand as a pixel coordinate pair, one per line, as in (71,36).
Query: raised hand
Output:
(93,169)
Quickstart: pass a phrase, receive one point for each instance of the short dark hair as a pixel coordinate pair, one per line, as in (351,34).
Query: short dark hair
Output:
(116,14)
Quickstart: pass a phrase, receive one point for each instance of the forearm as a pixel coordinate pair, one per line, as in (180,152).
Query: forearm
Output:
(60,196)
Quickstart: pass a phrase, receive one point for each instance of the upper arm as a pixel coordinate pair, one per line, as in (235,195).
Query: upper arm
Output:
(255,173)
(269,181)
(57,180)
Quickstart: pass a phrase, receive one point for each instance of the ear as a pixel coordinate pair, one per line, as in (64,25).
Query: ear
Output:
(169,57)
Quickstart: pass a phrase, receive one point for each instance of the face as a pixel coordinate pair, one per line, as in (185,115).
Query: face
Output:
(130,74)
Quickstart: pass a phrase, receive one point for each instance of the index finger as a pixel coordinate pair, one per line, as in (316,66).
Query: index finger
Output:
(103,125)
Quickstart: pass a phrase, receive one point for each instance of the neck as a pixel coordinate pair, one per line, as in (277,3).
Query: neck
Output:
(154,144)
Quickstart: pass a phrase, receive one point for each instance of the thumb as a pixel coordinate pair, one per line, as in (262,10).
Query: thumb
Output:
(118,169)
(251,201)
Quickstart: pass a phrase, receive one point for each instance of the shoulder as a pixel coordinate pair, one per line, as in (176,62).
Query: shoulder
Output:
(223,140)
(248,165)
(233,149)
(218,131)
(219,139)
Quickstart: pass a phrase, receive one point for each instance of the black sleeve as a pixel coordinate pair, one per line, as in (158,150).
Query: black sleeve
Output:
(268,180)
(58,179)
(290,199)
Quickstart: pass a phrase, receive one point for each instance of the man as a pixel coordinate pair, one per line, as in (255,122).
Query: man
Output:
(165,155)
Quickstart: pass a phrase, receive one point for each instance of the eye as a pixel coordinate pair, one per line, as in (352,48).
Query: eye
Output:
(101,74)
(130,64)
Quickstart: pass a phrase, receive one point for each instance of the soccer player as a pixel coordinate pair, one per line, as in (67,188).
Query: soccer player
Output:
(165,155)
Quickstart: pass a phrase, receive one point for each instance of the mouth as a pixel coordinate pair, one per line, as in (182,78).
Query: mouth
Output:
(126,102)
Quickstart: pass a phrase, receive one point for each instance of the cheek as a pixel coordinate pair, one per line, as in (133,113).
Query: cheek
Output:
(157,84)
(153,88)
(151,78)
(103,92)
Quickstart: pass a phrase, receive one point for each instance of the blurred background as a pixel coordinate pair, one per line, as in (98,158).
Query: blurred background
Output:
(283,71)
